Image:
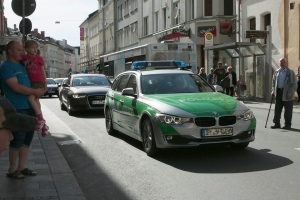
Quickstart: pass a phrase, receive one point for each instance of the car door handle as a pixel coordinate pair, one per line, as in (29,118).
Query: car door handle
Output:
(122,102)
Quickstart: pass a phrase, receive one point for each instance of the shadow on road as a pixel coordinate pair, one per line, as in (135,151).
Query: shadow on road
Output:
(215,158)
(222,159)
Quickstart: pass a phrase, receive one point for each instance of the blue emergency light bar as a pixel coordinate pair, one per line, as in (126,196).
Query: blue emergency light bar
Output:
(165,64)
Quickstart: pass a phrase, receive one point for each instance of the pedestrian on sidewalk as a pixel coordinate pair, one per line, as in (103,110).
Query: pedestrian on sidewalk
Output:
(219,74)
(17,87)
(231,75)
(298,89)
(10,121)
(202,73)
(210,77)
(283,88)
(34,65)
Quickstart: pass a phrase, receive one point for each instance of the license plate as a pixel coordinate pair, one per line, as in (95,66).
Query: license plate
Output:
(98,102)
(50,91)
(216,132)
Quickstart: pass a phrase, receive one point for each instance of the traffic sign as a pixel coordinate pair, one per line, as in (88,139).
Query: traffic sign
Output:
(254,34)
(28,26)
(17,7)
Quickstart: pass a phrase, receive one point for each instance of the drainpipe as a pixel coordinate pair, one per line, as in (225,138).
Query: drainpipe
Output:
(285,28)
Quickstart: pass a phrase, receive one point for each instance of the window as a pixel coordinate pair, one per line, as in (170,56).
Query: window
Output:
(191,9)
(126,8)
(145,26)
(134,33)
(228,7)
(176,13)
(123,83)
(132,83)
(208,8)
(115,83)
(165,18)
(156,22)
(252,27)
(267,23)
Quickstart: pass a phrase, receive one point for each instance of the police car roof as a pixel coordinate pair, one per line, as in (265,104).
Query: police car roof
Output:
(152,65)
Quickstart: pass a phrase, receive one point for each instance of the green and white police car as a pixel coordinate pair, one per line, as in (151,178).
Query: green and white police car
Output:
(165,105)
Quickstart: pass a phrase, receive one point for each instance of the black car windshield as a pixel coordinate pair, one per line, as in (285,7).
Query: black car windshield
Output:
(90,81)
(50,81)
(173,83)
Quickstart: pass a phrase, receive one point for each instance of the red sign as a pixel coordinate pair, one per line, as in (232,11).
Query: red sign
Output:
(81,34)
(227,28)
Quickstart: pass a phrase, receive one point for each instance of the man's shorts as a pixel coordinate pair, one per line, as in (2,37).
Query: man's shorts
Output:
(22,138)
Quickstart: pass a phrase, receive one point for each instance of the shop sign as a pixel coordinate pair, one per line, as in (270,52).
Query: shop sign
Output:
(204,29)
(227,28)
(81,34)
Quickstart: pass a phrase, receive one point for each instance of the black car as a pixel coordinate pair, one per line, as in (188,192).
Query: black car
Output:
(84,92)
(52,88)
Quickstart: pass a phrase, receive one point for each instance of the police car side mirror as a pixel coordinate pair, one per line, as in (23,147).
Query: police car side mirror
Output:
(128,92)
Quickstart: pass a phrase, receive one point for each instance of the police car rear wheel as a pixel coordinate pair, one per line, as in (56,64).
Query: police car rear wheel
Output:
(148,138)
(108,122)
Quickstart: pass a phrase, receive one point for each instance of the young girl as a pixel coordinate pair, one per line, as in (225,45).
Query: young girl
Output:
(34,65)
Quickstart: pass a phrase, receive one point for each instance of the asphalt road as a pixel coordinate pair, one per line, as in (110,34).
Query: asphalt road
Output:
(108,167)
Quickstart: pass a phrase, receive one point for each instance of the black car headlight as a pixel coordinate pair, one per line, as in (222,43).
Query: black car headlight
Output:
(168,119)
(78,96)
(248,115)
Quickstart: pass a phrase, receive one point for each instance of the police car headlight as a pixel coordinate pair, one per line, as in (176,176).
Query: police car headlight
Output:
(78,96)
(248,115)
(168,119)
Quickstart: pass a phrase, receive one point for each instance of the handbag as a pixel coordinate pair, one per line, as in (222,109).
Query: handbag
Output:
(225,83)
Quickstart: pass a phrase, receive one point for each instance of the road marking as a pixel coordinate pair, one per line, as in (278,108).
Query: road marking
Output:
(297,149)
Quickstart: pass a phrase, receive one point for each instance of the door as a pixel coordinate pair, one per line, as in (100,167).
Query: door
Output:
(118,101)
(129,116)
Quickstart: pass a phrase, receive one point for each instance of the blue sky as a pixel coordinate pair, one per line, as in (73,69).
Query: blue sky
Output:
(70,13)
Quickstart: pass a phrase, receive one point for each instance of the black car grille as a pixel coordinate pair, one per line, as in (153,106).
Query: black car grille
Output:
(205,121)
(227,120)
(96,98)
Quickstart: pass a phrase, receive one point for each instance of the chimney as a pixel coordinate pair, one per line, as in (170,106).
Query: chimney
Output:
(43,34)
(36,32)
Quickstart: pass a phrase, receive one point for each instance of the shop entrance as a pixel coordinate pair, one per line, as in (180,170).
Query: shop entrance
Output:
(249,62)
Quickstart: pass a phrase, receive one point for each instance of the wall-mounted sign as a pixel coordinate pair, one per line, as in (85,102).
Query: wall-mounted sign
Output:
(227,28)
(181,32)
(204,29)
(81,34)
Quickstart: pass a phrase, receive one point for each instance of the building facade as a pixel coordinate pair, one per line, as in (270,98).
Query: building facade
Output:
(132,23)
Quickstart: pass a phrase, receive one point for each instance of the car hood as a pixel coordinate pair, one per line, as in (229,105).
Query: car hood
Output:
(90,90)
(196,104)
(52,85)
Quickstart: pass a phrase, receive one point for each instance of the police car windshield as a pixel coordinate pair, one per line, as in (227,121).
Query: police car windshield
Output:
(173,83)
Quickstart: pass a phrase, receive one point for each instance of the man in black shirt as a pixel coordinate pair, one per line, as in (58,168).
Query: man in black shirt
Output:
(219,73)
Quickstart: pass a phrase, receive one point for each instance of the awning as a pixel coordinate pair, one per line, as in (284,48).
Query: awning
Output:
(245,49)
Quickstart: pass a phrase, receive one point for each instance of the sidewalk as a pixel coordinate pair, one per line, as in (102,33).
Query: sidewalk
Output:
(262,105)
(55,179)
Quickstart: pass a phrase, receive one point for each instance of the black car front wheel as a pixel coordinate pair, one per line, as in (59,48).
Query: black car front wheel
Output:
(108,122)
(62,105)
(148,138)
(69,109)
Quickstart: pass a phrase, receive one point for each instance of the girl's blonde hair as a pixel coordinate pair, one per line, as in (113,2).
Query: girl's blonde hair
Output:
(30,43)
